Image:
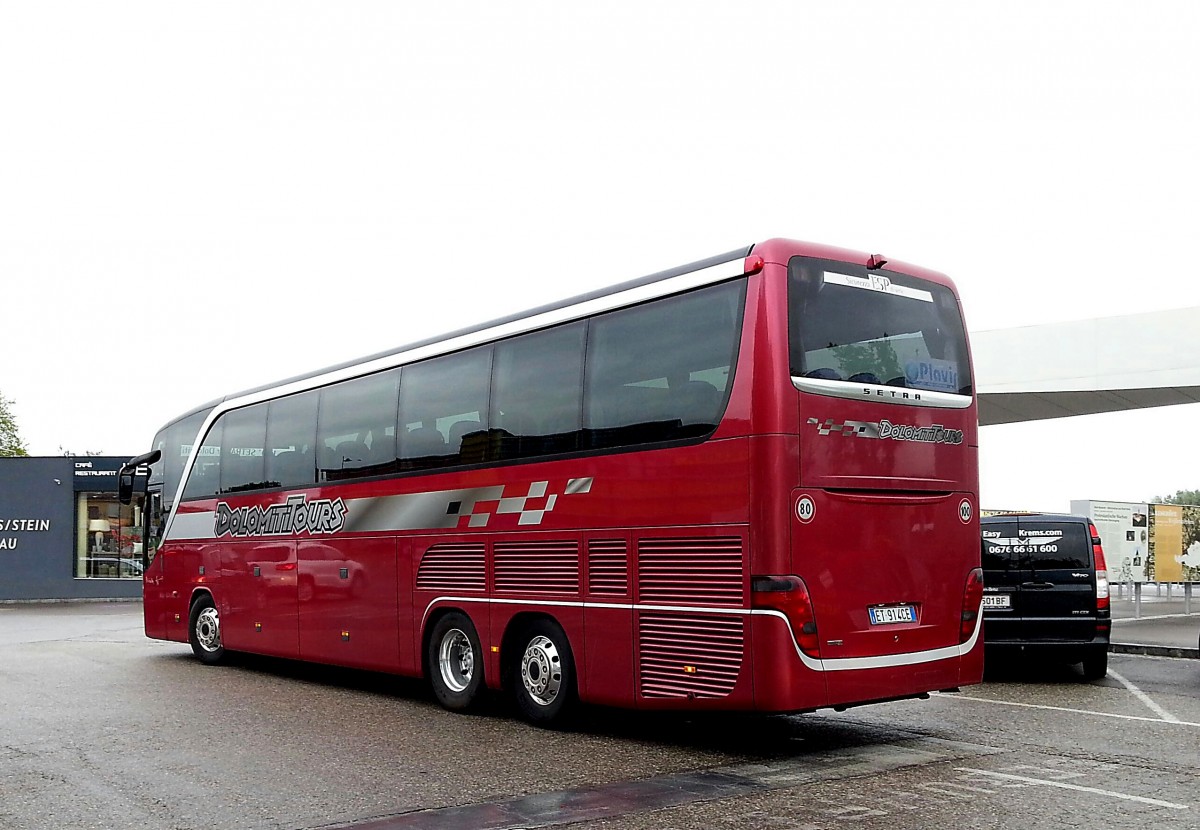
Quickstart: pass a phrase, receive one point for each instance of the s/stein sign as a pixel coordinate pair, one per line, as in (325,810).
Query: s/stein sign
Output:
(10,527)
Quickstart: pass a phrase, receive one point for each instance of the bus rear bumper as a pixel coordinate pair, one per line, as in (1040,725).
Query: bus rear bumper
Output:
(788,680)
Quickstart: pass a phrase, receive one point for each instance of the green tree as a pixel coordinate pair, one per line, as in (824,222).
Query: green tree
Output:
(10,440)
(1180,497)
(876,357)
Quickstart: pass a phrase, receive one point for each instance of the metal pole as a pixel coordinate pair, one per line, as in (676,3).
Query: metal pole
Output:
(1137,600)
(1187,597)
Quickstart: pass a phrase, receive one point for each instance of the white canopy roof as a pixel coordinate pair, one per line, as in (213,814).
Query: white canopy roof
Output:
(1080,368)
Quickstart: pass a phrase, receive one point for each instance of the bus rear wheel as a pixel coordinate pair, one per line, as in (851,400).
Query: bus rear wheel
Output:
(542,677)
(455,662)
(204,631)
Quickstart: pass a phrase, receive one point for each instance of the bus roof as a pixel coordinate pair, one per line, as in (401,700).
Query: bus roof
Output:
(650,279)
(770,249)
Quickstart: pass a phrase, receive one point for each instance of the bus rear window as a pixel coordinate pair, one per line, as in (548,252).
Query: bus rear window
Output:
(846,323)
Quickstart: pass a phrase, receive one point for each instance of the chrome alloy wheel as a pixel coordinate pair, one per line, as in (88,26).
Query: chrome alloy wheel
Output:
(541,670)
(208,630)
(456,660)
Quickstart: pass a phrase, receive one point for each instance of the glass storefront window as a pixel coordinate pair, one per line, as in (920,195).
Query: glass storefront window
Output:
(108,537)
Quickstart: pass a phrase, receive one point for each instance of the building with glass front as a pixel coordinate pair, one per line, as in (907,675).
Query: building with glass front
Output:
(64,534)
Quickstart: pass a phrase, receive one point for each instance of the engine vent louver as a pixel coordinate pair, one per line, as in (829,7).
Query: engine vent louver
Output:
(693,656)
(700,571)
(608,567)
(453,568)
(536,567)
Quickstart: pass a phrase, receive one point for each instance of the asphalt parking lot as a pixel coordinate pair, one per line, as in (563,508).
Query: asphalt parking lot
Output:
(104,728)
(1158,624)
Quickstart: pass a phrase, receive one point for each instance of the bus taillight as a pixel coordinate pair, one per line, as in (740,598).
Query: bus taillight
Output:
(972,599)
(789,595)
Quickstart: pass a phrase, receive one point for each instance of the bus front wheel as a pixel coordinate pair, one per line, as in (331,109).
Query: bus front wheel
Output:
(542,679)
(455,662)
(204,631)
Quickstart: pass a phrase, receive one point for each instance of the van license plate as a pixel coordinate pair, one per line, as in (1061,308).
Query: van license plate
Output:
(893,614)
(997,601)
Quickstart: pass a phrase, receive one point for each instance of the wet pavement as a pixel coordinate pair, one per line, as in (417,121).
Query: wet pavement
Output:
(1159,624)
(103,728)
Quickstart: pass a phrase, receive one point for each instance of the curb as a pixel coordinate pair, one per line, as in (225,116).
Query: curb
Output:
(1154,651)
(69,601)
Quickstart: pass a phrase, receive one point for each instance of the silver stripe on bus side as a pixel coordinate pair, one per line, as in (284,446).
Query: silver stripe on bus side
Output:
(882,394)
(588,308)
(429,510)
(190,526)
(911,658)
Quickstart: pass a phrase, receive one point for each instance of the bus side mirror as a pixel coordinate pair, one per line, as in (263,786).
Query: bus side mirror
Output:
(129,470)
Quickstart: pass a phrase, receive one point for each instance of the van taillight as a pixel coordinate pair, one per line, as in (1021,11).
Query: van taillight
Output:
(1101,570)
(972,600)
(789,595)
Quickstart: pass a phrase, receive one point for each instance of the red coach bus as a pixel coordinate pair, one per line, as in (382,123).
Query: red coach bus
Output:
(748,483)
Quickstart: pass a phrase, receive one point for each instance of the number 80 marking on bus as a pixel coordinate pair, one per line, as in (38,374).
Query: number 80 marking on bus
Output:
(806,508)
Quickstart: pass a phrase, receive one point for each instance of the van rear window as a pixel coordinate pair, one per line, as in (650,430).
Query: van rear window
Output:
(1040,545)
(999,543)
(1057,545)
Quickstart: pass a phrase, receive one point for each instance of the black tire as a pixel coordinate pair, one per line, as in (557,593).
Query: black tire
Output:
(204,631)
(542,674)
(455,661)
(1095,666)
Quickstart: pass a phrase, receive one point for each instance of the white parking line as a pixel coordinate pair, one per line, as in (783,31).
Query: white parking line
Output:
(1144,698)
(1065,786)
(1155,617)
(1065,709)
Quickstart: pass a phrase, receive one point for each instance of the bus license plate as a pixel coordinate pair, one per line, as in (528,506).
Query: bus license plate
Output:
(890,614)
(997,601)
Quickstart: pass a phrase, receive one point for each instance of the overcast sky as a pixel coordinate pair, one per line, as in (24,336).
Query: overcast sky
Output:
(199,198)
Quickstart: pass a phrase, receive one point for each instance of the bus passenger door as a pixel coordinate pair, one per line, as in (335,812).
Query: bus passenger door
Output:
(156,607)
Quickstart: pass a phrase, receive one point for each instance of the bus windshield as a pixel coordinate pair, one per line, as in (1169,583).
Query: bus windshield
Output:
(175,441)
(875,327)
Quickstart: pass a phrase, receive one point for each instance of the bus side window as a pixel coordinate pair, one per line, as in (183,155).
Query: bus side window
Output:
(437,394)
(651,368)
(421,441)
(242,441)
(537,392)
(291,436)
(695,401)
(351,413)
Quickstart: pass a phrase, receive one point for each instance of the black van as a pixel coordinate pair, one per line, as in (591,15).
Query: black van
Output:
(1045,589)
